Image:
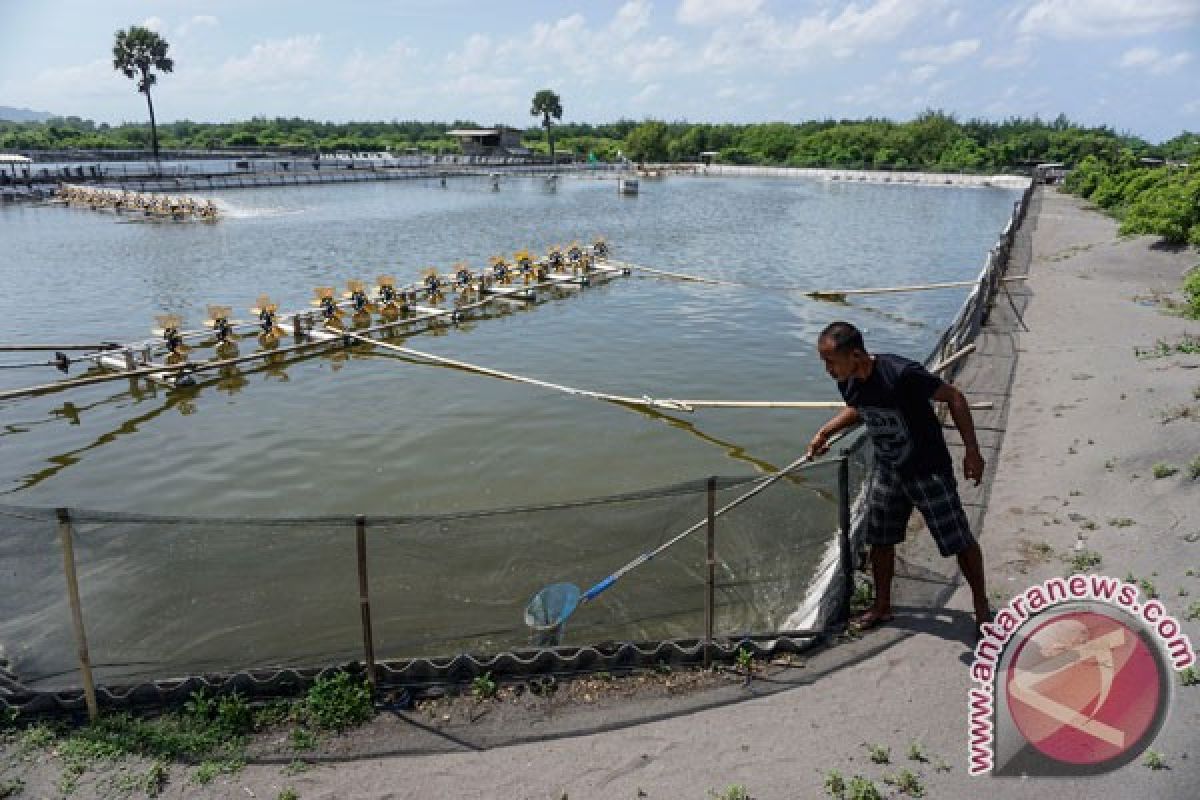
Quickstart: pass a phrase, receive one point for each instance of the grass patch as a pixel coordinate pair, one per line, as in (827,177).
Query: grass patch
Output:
(879,754)
(483,687)
(917,753)
(1188,677)
(1187,345)
(288,793)
(1162,470)
(861,788)
(1193,612)
(1154,760)
(11,787)
(735,792)
(1193,469)
(1084,560)
(906,782)
(337,703)
(1120,522)
(209,770)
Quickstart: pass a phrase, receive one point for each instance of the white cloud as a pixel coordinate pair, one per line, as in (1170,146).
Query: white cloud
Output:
(943,54)
(1154,61)
(294,60)
(764,40)
(155,24)
(650,58)
(1070,19)
(648,93)
(198,22)
(711,12)
(1015,54)
(953,18)
(372,71)
(1192,106)
(922,73)
(631,18)
(878,23)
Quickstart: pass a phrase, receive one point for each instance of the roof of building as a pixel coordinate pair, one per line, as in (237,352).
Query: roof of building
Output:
(13,158)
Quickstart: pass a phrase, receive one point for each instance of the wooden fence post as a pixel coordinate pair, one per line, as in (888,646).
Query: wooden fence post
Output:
(85,664)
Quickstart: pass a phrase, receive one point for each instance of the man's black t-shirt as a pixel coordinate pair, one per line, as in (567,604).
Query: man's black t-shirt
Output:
(895,402)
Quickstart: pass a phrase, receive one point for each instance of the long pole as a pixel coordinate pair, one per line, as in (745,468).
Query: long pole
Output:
(364,597)
(847,557)
(85,664)
(711,578)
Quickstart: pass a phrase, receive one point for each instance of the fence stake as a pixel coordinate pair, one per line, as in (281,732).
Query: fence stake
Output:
(364,599)
(85,664)
(844,533)
(711,579)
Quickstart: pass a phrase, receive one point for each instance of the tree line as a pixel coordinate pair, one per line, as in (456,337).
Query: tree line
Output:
(933,141)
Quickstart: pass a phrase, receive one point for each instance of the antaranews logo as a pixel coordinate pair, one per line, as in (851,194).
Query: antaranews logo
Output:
(1072,678)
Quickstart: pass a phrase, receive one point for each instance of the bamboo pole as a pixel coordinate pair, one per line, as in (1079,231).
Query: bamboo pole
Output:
(20,348)
(364,597)
(821,294)
(710,583)
(85,664)
(667,274)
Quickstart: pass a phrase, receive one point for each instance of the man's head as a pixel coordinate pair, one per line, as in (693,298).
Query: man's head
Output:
(841,347)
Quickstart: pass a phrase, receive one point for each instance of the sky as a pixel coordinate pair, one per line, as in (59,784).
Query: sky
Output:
(1133,65)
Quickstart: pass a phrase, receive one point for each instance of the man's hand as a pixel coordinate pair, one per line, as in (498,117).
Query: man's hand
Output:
(818,446)
(973,464)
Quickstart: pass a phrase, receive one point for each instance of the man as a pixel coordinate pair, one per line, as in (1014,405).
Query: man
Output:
(892,396)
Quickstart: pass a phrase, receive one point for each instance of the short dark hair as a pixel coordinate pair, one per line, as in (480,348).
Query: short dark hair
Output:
(845,337)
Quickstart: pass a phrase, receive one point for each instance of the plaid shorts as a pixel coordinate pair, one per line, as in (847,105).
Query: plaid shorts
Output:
(890,501)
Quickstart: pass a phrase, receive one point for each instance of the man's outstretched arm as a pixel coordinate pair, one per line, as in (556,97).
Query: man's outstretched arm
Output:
(960,412)
(846,418)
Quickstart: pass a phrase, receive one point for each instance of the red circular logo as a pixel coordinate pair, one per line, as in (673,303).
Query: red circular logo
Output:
(1084,688)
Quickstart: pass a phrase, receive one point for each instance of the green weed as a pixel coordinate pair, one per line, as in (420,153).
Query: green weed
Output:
(916,752)
(861,788)
(879,754)
(1193,612)
(1193,469)
(302,739)
(744,659)
(835,784)
(288,794)
(1189,677)
(1084,560)
(483,687)
(906,782)
(11,788)
(735,792)
(337,703)
(1120,522)
(209,770)
(1162,470)
(1154,760)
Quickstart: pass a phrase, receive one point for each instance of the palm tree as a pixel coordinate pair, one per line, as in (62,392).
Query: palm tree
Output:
(546,103)
(137,53)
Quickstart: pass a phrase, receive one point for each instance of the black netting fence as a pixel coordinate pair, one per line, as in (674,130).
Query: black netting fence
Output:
(170,597)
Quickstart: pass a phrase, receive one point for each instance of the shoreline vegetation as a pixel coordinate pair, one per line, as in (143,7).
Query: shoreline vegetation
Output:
(933,141)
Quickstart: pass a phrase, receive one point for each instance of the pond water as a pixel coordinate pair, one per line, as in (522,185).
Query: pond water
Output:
(357,433)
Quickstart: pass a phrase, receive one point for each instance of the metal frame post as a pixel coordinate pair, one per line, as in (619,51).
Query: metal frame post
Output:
(847,557)
(364,598)
(711,573)
(85,664)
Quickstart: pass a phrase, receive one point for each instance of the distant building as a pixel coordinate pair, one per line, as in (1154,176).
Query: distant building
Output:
(498,141)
